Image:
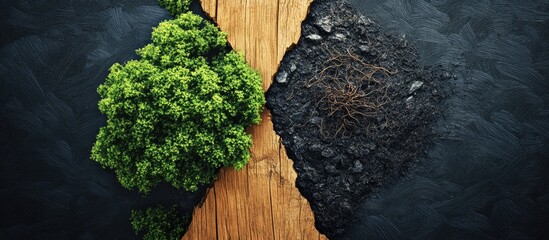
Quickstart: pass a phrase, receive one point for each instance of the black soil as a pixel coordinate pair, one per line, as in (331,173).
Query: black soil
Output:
(354,109)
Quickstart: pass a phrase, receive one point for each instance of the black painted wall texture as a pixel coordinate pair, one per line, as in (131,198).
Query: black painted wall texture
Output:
(53,56)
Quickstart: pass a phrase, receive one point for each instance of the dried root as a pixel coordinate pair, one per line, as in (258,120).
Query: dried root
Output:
(349,92)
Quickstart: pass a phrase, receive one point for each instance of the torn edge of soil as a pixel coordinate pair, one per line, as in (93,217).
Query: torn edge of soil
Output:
(354,110)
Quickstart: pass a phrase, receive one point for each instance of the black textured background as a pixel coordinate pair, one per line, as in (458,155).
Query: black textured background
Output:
(487,176)
(53,55)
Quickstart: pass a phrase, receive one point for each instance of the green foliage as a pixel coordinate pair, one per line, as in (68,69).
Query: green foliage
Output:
(175,7)
(159,223)
(180,112)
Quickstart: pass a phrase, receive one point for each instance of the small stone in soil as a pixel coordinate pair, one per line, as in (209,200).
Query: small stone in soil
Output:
(415,86)
(325,24)
(282,77)
(314,37)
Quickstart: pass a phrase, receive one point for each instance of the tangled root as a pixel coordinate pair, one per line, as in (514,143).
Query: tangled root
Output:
(349,92)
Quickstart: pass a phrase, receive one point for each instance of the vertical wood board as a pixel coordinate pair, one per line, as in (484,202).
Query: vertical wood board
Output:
(260,201)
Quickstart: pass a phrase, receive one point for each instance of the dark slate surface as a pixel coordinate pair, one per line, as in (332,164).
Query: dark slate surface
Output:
(53,56)
(487,177)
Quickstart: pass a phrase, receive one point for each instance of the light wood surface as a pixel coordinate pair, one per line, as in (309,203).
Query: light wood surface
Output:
(260,201)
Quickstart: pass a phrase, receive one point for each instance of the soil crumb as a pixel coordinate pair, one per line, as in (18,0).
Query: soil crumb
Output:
(354,109)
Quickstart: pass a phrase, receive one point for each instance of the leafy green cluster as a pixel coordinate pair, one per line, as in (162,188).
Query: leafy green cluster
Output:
(175,7)
(180,112)
(159,223)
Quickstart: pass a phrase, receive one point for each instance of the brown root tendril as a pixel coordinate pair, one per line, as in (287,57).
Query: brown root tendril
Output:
(349,92)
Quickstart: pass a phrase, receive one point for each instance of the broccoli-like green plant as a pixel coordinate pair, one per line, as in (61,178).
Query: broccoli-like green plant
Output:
(159,223)
(180,112)
(175,7)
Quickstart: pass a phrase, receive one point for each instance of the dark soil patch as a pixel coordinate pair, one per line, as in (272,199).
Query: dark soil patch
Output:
(353,108)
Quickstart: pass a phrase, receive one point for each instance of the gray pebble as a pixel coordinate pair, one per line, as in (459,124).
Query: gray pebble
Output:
(415,86)
(282,77)
(314,37)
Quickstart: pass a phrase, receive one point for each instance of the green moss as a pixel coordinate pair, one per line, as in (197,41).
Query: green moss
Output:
(175,7)
(180,112)
(159,223)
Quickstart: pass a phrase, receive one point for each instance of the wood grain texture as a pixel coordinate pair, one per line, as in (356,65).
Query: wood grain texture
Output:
(260,201)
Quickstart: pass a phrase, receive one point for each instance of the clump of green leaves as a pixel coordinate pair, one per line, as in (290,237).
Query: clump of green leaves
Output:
(180,112)
(175,7)
(159,223)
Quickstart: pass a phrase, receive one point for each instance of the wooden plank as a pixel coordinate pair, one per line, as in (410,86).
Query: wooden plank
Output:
(210,7)
(260,201)
(291,14)
(231,18)
(203,217)
(261,54)
(233,212)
